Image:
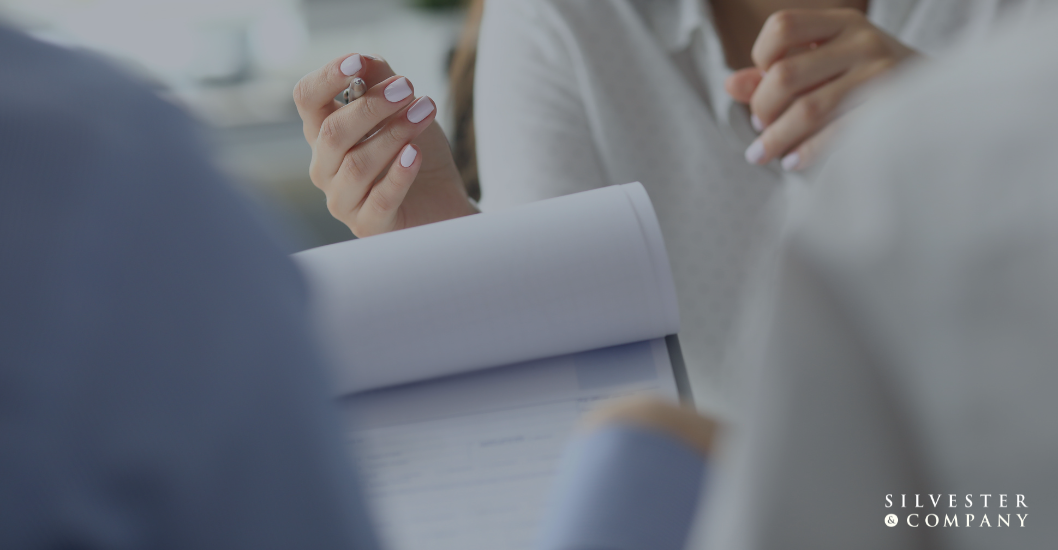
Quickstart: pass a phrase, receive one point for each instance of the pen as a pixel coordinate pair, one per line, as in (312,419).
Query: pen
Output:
(356,89)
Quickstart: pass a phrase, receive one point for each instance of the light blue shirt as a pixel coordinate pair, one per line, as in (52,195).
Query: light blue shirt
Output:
(624,488)
(158,386)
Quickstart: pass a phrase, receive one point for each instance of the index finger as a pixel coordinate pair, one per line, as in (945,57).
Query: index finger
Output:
(314,93)
(787,29)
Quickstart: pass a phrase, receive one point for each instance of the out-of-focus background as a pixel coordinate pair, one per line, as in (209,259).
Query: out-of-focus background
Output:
(234,63)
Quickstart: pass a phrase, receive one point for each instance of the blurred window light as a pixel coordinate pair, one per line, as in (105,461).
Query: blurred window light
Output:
(176,42)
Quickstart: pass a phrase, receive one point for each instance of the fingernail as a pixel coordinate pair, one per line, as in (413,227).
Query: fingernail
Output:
(420,110)
(790,162)
(371,57)
(754,120)
(351,65)
(397,90)
(755,152)
(407,156)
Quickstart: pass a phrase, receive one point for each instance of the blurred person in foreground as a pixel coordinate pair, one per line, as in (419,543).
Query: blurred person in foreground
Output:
(158,384)
(904,358)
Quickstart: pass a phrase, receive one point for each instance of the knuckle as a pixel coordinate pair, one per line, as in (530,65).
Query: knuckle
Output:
(301,93)
(330,131)
(314,174)
(353,165)
(812,107)
(786,73)
(757,55)
(870,42)
(881,66)
(385,199)
(334,207)
(397,133)
(345,211)
(369,108)
(781,24)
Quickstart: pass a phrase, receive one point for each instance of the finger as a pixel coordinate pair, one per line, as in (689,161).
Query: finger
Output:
(741,84)
(352,123)
(366,161)
(381,209)
(806,116)
(362,166)
(786,29)
(655,414)
(810,150)
(314,93)
(795,75)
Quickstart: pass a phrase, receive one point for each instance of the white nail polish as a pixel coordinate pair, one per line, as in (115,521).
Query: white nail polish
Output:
(397,90)
(754,121)
(407,156)
(352,64)
(755,152)
(420,110)
(790,162)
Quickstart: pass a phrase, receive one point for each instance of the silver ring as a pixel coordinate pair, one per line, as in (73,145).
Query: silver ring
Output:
(356,89)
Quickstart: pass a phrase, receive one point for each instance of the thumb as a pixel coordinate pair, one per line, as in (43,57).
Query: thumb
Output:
(743,83)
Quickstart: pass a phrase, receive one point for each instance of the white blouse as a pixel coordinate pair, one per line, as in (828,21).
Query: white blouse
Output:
(577,94)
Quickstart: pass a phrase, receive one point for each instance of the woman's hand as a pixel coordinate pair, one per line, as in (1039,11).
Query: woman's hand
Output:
(382,160)
(806,63)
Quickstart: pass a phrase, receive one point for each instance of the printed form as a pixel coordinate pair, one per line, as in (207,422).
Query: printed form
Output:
(467,462)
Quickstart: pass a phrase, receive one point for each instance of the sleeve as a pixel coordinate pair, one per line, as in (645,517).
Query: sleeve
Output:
(169,394)
(533,136)
(624,488)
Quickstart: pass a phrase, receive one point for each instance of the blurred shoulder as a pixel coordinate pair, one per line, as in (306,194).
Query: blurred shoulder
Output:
(91,146)
(49,81)
(939,147)
(76,127)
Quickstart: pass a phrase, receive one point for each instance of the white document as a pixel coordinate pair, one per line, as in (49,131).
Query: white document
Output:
(466,350)
(466,463)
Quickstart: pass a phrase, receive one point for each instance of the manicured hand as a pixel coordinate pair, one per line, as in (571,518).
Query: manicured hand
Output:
(807,61)
(382,160)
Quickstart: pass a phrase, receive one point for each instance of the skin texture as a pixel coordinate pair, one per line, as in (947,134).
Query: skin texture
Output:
(355,150)
(805,64)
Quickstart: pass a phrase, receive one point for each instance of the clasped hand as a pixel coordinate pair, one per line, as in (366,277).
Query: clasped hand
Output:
(806,63)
